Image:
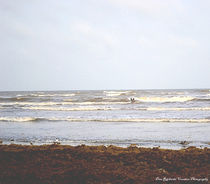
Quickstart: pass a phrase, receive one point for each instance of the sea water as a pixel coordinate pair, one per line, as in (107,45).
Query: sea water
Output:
(166,118)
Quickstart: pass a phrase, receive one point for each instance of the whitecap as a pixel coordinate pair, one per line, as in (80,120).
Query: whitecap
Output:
(17,119)
(165,99)
(82,108)
(116,93)
(173,120)
(177,109)
(53,95)
(59,103)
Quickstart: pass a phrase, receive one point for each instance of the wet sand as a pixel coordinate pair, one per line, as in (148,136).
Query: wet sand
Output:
(100,164)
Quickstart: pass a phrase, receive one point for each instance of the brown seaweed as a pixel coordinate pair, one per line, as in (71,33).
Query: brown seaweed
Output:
(101,164)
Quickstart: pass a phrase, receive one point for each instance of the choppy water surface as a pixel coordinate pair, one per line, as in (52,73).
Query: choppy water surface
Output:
(165,118)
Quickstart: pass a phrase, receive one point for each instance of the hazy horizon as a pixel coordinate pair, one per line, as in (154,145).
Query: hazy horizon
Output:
(104,45)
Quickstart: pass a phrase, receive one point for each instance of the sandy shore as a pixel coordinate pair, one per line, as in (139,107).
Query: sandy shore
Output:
(100,164)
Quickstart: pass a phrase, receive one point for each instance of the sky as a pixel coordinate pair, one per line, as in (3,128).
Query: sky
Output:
(104,44)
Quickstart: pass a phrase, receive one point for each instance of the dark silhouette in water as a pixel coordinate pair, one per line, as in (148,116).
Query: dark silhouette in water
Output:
(132,100)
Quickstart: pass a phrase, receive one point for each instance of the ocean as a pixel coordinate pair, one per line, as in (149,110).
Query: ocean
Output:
(147,118)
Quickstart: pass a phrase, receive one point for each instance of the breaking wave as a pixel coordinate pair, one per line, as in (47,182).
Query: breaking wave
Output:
(17,119)
(32,96)
(32,119)
(53,95)
(95,108)
(83,108)
(117,93)
(11,99)
(176,109)
(31,103)
(165,99)
(60,103)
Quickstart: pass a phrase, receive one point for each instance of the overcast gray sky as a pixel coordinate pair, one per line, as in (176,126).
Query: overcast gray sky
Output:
(104,44)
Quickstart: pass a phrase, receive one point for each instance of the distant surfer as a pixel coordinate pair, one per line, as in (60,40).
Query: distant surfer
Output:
(132,100)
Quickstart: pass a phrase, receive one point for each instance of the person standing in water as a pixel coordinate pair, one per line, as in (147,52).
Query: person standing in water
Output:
(132,100)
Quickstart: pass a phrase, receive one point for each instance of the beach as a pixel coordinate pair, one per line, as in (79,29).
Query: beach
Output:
(100,164)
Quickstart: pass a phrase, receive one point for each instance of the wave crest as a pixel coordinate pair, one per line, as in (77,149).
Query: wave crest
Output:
(61,103)
(53,95)
(83,108)
(17,119)
(117,93)
(177,109)
(173,120)
(165,99)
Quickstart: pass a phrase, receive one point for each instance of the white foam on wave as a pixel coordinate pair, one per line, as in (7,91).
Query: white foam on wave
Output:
(68,100)
(30,103)
(165,99)
(176,109)
(17,119)
(60,103)
(172,93)
(116,93)
(111,98)
(52,95)
(83,108)
(98,103)
(70,119)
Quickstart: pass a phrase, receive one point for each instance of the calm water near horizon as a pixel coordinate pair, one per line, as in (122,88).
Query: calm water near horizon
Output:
(166,118)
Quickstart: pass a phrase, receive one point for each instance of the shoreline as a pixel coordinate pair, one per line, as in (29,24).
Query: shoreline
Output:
(100,164)
(178,145)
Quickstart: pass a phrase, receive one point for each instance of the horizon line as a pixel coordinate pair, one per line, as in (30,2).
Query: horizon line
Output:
(106,89)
